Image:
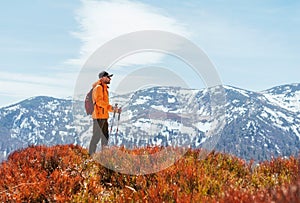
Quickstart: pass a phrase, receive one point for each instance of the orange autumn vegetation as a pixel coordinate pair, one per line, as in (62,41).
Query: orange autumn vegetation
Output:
(68,174)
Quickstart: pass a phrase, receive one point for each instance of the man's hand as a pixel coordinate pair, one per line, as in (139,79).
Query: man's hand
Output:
(116,109)
(119,110)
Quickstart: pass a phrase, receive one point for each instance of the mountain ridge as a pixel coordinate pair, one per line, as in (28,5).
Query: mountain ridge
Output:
(255,121)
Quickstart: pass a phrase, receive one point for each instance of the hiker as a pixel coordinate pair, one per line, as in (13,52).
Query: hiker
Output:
(101,111)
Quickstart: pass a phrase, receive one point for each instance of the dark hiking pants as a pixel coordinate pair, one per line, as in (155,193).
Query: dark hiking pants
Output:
(100,131)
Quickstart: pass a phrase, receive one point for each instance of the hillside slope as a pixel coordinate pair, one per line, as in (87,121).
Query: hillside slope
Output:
(67,174)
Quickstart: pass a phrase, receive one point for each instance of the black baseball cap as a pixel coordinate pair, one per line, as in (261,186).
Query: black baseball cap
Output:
(105,74)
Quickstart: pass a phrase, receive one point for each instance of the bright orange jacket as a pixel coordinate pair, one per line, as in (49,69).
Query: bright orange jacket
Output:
(101,101)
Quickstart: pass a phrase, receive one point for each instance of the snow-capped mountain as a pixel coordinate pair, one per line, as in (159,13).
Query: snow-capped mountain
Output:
(38,120)
(261,125)
(256,125)
(286,96)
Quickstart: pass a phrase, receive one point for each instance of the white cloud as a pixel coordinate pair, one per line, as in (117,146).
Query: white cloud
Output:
(102,21)
(22,85)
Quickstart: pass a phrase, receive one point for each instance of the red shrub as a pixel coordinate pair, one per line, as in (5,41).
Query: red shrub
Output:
(68,174)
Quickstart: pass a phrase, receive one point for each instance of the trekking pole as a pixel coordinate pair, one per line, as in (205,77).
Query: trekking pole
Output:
(113,119)
(118,121)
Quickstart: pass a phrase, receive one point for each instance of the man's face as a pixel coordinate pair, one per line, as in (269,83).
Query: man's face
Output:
(106,79)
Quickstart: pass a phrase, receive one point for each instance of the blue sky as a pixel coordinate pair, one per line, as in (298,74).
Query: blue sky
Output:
(253,44)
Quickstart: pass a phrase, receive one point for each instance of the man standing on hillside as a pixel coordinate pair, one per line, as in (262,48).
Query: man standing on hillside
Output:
(101,111)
